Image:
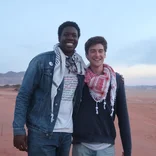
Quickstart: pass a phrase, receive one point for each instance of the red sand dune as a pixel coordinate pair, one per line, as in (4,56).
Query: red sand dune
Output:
(142,111)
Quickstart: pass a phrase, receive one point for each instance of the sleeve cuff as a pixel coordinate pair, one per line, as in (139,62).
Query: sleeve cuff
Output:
(127,153)
(19,131)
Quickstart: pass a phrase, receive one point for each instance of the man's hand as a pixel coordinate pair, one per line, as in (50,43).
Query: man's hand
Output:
(20,142)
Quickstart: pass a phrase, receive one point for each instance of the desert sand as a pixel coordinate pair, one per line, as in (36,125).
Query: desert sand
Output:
(142,112)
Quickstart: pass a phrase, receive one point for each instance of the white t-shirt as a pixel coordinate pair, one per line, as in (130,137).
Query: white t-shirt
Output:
(96,146)
(64,122)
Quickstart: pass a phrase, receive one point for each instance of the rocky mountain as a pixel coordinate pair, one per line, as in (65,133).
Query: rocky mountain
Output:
(144,87)
(15,78)
(11,78)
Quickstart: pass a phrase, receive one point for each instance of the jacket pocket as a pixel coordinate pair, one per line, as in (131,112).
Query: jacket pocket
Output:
(35,112)
(47,77)
(48,71)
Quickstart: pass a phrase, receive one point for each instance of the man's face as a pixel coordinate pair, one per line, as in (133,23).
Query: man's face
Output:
(69,40)
(96,55)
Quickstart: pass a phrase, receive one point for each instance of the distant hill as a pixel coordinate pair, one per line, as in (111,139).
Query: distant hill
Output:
(11,78)
(15,78)
(145,87)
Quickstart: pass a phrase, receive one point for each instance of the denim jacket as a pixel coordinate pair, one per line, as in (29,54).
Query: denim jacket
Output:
(33,102)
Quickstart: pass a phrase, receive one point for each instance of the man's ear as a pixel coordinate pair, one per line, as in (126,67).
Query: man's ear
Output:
(58,38)
(86,56)
(105,54)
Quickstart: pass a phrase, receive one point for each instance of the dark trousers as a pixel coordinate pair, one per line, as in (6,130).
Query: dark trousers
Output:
(45,144)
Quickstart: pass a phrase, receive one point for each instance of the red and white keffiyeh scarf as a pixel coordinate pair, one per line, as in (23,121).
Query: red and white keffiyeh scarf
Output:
(99,85)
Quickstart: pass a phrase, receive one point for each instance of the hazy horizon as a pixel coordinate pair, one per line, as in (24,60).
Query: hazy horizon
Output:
(30,27)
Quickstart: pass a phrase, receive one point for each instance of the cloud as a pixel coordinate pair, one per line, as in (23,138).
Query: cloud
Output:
(142,52)
(140,74)
(138,70)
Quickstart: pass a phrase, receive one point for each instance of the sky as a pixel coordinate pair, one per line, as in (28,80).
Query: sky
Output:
(29,27)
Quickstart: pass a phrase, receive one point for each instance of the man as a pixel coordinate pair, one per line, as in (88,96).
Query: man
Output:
(49,97)
(103,97)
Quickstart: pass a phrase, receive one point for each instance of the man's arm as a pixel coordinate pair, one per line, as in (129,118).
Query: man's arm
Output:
(30,81)
(123,117)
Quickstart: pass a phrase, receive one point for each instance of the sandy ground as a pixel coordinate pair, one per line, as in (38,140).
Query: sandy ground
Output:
(142,111)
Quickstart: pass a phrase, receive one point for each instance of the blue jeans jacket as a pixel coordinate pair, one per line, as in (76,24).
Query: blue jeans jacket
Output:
(33,102)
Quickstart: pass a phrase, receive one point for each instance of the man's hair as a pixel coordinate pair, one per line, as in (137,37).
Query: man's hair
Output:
(95,40)
(68,24)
